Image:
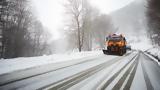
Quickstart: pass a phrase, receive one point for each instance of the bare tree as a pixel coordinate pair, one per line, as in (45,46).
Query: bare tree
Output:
(39,37)
(88,23)
(87,19)
(75,9)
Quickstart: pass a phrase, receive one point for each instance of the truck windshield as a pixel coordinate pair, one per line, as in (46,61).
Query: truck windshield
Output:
(115,39)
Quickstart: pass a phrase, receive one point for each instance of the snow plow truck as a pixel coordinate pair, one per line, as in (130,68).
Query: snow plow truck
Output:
(115,44)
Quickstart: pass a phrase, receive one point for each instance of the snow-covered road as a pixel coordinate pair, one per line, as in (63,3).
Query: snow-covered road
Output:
(134,70)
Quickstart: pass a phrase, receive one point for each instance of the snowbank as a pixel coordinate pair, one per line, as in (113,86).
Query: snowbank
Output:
(10,65)
(155,52)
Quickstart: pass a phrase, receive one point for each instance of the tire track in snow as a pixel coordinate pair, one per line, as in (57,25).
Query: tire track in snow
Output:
(66,83)
(147,80)
(107,83)
(8,78)
(58,69)
(131,77)
(123,78)
(78,79)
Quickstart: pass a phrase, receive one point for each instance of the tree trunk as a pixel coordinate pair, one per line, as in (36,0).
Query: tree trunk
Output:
(79,36)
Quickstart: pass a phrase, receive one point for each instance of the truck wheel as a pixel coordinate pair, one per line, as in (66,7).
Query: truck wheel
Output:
(121,52)
(109,52)
(124,50)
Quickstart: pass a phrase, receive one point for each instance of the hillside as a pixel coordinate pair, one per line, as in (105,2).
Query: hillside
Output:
(131,21)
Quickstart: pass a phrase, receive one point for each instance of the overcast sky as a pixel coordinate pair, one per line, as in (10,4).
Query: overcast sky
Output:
(51,12)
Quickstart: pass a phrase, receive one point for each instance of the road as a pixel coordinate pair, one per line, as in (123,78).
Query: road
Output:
(134,71)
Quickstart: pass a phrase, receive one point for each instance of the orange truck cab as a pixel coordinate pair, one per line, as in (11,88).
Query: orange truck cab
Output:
(116,44)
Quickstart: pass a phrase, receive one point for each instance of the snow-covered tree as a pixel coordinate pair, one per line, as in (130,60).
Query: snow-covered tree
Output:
(153,14)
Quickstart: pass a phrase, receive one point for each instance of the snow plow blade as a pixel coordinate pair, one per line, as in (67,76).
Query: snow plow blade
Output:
(105,51)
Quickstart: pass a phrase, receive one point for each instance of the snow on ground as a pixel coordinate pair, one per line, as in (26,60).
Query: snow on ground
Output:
(115,81)
(58,75)
(93,81)
(139,81)
(152,71)
(10,65)
(152,58)
(155,52)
